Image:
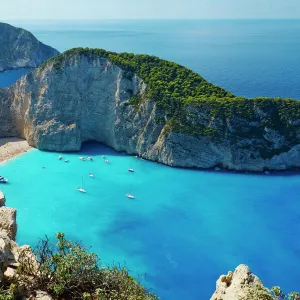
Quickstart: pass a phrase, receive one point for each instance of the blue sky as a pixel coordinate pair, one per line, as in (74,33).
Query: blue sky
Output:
(147,9)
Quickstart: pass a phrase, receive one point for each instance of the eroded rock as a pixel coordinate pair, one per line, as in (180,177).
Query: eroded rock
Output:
(2,199)
(8,223)
(235,285)
(4,253)
(42,296)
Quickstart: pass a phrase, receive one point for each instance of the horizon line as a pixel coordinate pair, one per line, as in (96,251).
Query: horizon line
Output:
(148,19)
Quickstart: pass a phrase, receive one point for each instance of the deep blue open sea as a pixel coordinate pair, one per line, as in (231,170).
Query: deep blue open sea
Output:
(185,227)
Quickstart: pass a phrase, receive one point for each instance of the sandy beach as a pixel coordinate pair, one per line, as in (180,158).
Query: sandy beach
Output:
(12,147)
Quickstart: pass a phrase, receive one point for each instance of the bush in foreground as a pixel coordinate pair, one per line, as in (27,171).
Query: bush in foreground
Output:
(262,293)
(68,271)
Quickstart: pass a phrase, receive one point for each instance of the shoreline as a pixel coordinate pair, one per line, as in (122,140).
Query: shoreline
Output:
(10,148)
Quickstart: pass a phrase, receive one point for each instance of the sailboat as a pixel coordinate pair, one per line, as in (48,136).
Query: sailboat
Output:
(129,195)
(91,175)
(81,189)
(3,179)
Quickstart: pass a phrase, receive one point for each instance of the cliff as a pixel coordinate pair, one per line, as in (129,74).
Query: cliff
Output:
(149,107)
(237,285)
(11,255)
(20,49)
(244,285)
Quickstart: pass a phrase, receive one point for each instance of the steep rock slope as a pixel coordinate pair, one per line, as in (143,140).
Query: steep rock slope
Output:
(20,49)
(236,285)
(150,107)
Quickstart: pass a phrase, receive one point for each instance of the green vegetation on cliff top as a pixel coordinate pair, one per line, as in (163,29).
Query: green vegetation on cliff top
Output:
(168,82)
(175,88)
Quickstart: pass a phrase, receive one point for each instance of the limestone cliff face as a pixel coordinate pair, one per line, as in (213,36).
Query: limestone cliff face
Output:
(90,98)
(20,49)
(236,285)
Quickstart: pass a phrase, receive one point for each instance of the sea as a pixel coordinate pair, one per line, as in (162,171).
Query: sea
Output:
(185,227)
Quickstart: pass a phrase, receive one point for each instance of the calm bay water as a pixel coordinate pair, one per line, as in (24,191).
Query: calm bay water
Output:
(9,77)
(185,227)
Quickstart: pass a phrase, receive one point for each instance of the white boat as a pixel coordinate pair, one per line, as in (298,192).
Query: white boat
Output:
(130,170)
(103,156)
(66,160)
(107,161)
(81,189)
(91,175)
(3,179)
(130,196)
(90,158)
(60,157)
(81,158)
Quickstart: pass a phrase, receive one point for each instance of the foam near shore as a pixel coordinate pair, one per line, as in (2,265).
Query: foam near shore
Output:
(12,147)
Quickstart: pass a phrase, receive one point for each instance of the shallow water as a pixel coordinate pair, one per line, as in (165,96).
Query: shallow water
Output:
(184,229)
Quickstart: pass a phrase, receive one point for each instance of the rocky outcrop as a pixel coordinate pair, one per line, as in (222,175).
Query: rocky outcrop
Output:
(20,49)
(236,285)
(8,222)
(42,296)
(2,199)
(8,248)
(60,106)
(11,255)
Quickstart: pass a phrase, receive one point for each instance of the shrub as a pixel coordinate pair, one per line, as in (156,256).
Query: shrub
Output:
(68,271)
(262,293)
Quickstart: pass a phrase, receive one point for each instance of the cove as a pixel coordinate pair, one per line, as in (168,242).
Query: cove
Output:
(182,231)
(8,78)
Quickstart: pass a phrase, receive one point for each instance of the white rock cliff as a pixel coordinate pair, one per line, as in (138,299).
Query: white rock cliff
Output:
(88,99)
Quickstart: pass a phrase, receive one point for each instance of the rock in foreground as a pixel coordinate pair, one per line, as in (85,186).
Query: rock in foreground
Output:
(8,223)
(236,285)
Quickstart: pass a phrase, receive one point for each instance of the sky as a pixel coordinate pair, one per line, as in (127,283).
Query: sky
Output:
(148,9)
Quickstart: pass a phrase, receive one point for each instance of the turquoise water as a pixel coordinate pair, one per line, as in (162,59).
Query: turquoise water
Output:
(185,227)
(183,230)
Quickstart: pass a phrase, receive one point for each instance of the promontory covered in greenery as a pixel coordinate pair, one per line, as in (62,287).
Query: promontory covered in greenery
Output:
(20,49)
(149,107)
